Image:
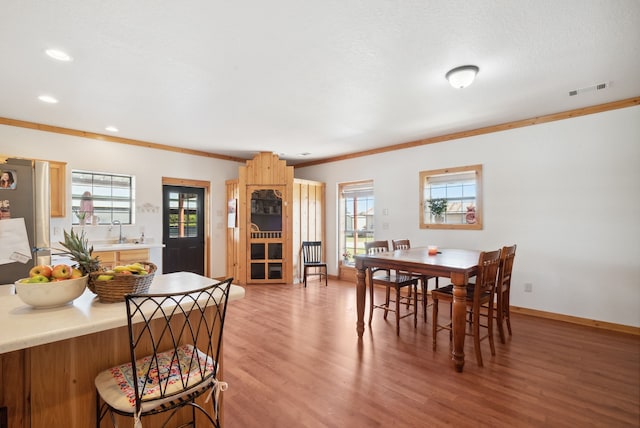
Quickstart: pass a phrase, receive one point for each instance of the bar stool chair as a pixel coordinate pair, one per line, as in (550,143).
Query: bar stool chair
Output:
(175,343)
(397,281)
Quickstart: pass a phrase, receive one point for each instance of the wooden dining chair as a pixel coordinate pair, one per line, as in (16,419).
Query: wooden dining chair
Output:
(503,290)
(405,244)
(175,341)
(391,280)
(480,302)
(313,262)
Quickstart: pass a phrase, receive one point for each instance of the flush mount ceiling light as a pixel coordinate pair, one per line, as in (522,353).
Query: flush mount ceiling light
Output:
(461,77)
(111,129)
(59,55)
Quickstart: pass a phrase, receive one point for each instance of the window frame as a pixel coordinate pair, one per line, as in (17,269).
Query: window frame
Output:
(348,260)
(425,218)
(127,211)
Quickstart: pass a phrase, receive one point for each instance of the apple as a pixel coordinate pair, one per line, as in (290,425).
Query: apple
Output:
(61,271)
(43,270)
(38,279)
(76,273)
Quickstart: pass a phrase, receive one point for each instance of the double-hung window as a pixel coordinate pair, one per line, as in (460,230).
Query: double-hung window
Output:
(356,208)
(451,198)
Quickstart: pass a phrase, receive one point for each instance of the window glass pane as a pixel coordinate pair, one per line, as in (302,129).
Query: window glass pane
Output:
(183,218)
(451,198)
(357,218)
(99,198)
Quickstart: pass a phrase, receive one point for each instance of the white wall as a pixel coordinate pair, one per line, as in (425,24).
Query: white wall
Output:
(567,193)
(148,166)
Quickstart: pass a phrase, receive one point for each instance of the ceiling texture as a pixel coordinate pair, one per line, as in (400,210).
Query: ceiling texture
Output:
(309,80)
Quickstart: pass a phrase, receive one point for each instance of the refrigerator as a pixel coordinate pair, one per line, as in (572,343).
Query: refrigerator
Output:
(24,217)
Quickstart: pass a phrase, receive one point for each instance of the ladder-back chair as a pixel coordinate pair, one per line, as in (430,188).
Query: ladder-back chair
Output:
(397,281)
(313,261)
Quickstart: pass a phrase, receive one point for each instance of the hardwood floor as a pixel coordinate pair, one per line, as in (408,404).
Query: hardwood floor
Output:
(292,359)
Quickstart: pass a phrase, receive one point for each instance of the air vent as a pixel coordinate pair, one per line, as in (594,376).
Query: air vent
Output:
(598,87)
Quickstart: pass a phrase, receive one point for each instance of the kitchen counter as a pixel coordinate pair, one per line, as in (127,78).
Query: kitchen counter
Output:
(49,357)
(31,327)
(125,246)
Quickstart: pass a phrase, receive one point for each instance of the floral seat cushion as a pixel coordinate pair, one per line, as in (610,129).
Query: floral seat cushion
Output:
(171,373)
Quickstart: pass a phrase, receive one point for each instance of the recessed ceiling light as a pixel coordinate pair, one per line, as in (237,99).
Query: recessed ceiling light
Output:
(111,129)
(59,55)
(47,99)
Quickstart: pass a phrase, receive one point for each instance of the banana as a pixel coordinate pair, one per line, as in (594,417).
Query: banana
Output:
(134,268)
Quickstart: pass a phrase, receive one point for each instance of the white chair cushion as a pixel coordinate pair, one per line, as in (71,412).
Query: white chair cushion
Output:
(116,385)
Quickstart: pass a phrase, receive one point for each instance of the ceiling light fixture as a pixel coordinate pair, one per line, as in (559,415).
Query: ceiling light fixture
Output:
(59,55)
(111,129)
(47,99)
(461,77)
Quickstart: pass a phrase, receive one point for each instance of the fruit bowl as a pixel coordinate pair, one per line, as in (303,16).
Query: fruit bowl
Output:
(51,294)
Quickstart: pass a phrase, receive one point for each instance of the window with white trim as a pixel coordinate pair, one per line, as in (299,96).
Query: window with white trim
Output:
(101,198)
(356,208)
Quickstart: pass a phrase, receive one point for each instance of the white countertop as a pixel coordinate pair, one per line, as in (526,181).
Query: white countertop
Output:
(24,326)
(123,247)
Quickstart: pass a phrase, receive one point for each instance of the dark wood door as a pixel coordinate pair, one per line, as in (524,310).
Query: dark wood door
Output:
(183,229)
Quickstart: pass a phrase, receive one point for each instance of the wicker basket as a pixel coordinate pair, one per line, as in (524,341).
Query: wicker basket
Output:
(114,290)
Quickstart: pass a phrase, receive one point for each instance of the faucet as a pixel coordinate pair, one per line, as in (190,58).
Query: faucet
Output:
(121,239)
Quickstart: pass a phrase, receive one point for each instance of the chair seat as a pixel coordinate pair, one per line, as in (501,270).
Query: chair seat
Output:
(116,384)
(314,264)
(448,290)
(400,279)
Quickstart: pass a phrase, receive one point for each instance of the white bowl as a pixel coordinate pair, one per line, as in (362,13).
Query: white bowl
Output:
(51,294)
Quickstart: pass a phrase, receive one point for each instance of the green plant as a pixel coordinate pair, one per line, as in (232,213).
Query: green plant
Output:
(81,252)
(437,206)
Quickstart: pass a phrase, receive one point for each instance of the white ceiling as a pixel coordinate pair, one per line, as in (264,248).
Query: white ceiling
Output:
(326,77)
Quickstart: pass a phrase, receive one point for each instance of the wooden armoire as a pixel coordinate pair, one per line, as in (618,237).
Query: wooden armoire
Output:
(270,213)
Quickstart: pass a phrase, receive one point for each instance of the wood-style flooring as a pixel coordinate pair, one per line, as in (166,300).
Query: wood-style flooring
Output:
(292,358)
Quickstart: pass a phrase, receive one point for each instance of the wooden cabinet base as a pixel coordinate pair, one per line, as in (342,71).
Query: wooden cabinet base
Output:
(52,385)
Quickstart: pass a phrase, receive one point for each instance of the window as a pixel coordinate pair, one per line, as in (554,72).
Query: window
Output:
(356,218)
(99,198)
(451,198)
(183,215)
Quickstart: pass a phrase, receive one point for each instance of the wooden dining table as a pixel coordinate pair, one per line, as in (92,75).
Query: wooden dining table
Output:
(457,264)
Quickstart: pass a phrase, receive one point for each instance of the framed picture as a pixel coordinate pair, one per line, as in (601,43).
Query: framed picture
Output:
(8,179)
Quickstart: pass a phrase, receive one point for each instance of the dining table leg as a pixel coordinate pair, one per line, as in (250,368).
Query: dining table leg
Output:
(361,293)
(459,281)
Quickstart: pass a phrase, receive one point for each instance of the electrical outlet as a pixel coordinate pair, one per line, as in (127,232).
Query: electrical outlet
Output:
(528,287)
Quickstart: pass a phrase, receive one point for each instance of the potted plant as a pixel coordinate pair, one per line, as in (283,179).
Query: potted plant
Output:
(437,207)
